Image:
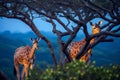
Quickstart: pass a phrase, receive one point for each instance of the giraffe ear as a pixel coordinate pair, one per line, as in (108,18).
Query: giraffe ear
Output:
(91,23)
(100,22)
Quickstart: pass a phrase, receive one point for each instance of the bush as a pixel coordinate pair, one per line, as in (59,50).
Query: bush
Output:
(76,71)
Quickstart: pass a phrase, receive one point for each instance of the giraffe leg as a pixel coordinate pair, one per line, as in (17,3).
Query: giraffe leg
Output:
(26,70)
(89,59)
(17,71)
(23,73)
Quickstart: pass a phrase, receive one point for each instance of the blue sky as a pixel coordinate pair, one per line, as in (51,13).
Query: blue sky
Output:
(14,25)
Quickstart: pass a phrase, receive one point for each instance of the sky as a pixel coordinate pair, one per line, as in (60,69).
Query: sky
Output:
(15,25)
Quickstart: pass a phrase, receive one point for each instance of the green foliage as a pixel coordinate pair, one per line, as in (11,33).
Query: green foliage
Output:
(76,71)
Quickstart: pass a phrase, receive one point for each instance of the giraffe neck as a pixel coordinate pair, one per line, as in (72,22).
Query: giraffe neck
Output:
(32,53)
(92,41)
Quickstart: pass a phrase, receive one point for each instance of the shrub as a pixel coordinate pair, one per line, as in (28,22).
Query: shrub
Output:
(77,71)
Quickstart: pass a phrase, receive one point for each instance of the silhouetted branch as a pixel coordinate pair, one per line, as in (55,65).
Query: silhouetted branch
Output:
(87,46)
(116,30)
(60,42)
(107,40)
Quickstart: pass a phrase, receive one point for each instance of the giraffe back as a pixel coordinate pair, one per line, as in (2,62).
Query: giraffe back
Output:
(75,47)
(21,55)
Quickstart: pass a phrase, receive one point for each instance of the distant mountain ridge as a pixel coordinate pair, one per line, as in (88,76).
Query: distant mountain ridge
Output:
(8,34)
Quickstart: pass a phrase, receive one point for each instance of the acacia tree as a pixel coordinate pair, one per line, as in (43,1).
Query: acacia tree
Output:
(22,11)
(66,12)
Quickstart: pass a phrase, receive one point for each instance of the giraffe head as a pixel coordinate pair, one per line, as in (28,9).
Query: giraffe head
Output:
(35,42)
(95,27)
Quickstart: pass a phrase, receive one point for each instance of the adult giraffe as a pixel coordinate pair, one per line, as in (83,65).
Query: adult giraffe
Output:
(75,47)
(24,55)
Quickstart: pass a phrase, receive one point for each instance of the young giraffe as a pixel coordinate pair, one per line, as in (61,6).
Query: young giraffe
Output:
(75,47)
(25,56)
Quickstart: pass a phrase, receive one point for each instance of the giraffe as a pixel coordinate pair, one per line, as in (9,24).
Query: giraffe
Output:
(24,55)
(75,47)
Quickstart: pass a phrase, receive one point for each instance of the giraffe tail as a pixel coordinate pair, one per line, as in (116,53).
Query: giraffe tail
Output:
(14,71)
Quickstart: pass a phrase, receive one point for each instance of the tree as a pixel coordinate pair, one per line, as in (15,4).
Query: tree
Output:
(66,13)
